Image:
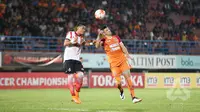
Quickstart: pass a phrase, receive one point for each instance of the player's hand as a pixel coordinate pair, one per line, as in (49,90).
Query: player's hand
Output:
(100,34)
(74,40)
(100,31)
(94,41)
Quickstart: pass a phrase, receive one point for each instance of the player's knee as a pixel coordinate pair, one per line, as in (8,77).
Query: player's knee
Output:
(114,74)
(80,74)
(117,80)
(78,88)
(70,78)
(127,72)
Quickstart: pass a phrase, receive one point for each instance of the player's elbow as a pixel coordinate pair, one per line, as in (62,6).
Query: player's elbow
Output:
(66,43)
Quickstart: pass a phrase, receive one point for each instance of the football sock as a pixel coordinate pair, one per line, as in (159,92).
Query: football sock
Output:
(130,86)
(79,81)
(71,84)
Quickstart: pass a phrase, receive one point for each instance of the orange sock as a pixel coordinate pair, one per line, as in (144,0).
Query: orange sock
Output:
(77,94)
(130,86)
(118,83)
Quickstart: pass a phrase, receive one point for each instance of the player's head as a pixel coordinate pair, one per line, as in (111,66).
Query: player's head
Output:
(106,30)
(80,28)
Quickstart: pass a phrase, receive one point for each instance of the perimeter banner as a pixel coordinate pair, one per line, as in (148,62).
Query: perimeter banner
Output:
(54,60)
(23,80)
(172,80)
(32,59)
(105,80)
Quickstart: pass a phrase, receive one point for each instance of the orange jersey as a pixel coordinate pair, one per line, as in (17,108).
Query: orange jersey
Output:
(113,50)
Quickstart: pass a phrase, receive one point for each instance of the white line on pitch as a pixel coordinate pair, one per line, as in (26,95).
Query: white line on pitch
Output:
(68,109)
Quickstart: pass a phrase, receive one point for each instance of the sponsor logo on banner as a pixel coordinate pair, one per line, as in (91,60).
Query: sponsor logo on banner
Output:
(153,61)
(152,81)
(168,81)
(24,80)
(198,81)
(99,60)
(172,80)
(185,81)
(105,80)
(31,58)
(188,62)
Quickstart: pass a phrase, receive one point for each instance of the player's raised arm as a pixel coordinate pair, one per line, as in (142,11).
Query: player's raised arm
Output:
(88,43)
(124,49)
(99,39)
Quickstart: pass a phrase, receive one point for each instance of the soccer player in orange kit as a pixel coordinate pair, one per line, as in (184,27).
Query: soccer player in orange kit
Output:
(117,57)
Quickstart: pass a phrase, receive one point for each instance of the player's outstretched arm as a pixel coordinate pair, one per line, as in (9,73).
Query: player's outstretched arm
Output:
(69,43)
(88,43)
(98,41)
(124,49)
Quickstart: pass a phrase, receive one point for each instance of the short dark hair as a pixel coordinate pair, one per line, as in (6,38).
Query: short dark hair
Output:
(102,27)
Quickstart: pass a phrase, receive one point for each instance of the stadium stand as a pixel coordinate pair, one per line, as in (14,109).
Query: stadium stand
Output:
(41,24)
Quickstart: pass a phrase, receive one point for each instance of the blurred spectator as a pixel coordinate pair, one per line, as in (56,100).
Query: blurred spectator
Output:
(55,17)
(130,19)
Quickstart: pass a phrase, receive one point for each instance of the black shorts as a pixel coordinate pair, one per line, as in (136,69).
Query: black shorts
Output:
(72,66)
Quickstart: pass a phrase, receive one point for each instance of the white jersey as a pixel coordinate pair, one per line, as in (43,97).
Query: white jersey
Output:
(73,53)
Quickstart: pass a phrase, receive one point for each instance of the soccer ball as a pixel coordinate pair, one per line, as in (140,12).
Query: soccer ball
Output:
(99,14)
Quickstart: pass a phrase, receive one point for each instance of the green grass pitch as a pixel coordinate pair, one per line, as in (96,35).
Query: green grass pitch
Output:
(96,100)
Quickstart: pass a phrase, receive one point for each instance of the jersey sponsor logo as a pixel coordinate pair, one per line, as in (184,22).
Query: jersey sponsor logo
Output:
(114,47)
(108,41)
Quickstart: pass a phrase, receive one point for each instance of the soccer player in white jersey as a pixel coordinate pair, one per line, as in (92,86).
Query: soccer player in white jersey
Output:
(72,65)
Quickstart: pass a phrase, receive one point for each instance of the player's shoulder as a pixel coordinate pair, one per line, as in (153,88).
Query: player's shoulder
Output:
(70,32)
(116,36)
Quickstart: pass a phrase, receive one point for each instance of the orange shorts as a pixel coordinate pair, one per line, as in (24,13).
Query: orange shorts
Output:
(118,70)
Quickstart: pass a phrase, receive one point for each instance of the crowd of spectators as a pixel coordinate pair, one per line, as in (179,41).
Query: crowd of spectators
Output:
(127,18)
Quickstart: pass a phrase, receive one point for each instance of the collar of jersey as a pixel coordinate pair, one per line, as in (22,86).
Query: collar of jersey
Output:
(109,37)
(77,34)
